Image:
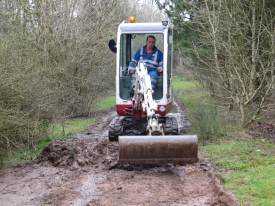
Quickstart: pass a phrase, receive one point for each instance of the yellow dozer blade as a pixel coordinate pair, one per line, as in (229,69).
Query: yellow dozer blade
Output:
(178,149)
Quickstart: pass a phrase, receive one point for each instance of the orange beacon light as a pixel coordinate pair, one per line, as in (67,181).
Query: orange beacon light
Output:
(132,19)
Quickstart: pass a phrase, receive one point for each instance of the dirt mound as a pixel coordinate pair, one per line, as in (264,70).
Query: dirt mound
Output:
(79,153)
(263,130)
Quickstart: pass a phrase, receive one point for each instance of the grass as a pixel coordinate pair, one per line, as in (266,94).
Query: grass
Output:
(248,168)
(105,104)
(246,164)
(191,93)
(57,131)
(207,120)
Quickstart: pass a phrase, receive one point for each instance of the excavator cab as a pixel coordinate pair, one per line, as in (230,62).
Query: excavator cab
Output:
(130,43)
(131,37)
(146,130)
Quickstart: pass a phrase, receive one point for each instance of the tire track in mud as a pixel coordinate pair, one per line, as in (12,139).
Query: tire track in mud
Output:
(83,171)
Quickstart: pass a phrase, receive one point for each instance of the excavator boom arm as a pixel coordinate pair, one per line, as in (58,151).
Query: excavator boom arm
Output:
(144,89)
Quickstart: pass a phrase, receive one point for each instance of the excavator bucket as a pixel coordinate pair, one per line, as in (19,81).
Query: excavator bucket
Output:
(177,149)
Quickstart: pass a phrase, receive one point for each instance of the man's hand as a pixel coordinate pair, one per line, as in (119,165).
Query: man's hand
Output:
(159,69)
(131,71)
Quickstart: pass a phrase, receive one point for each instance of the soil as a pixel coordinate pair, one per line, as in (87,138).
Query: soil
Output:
(263,129)
(84,171)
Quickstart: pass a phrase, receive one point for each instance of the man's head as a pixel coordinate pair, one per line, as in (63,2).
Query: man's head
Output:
(150,42)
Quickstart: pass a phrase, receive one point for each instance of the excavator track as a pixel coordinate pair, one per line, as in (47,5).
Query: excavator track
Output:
(130,126)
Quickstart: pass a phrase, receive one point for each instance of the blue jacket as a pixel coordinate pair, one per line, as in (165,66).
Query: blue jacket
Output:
(152,60)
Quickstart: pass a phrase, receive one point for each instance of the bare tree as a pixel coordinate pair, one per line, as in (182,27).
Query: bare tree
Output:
(238,66)
(54,62)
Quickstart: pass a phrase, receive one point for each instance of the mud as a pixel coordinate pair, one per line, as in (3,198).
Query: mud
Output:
(84,171)
(79,153)
(175,185)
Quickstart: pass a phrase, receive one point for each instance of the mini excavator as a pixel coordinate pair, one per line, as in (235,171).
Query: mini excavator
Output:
(144,128)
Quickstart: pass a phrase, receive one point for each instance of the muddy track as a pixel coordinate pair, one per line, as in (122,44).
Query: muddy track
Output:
(84,171)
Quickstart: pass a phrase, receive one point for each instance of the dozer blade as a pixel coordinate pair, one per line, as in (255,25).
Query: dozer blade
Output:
(178,149)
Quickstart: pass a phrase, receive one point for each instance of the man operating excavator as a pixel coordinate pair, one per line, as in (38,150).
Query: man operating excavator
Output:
(152,58)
